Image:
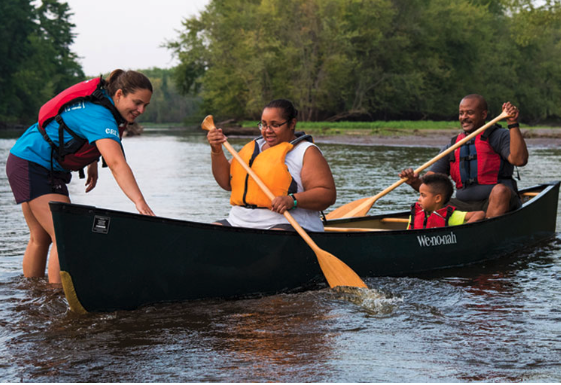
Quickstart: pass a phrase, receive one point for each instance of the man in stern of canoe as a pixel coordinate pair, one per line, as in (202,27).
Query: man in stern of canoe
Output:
(432,209)
(287,162)
(482,168)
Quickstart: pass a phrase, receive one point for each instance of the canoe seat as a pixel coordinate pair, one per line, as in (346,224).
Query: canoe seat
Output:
(395,220)
(527,196)
(350,229)
(365,229)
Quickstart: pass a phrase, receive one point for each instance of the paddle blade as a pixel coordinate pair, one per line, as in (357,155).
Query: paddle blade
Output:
(336,272)
(208,123)
(358,208)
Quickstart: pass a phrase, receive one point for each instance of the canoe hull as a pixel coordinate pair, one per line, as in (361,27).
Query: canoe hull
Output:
(406,252)
(114,260)
(144,260)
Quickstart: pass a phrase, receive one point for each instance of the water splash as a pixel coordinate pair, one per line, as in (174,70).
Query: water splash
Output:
(373,301)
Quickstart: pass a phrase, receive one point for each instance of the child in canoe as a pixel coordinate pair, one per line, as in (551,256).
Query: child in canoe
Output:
(432,209)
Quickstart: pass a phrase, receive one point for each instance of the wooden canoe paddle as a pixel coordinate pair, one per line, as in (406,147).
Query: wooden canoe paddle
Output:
(360,207)
(336,272)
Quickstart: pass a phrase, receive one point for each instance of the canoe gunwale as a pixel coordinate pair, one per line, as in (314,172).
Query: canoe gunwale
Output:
(61,206)
(186,260)
(544,189)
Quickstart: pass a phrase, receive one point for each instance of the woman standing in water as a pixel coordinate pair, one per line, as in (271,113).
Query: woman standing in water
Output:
(89,118)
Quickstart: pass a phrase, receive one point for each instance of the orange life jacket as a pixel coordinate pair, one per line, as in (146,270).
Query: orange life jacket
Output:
(269,166)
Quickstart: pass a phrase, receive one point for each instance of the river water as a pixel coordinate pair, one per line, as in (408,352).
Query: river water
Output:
(497,322)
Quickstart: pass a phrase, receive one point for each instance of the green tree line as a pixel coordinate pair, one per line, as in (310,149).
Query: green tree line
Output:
(168,105)
(35,57)
(372,59)
(36,63)
(336,59)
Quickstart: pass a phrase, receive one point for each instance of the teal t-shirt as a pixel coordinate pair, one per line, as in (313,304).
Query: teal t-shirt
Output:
(88,120)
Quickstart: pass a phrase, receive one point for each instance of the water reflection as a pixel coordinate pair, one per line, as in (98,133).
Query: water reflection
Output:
(493,322)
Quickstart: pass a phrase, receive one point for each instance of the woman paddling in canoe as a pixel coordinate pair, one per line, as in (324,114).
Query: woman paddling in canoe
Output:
(89,118)
(289,164)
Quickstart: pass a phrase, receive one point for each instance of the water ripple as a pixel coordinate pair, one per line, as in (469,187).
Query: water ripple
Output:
(496,322)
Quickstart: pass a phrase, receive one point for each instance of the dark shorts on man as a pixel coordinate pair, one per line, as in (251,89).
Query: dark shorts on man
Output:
(29,180)
(514,203)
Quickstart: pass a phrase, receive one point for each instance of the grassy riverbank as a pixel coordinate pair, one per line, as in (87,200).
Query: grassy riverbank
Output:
(383,128)
(368,128)
(377,128)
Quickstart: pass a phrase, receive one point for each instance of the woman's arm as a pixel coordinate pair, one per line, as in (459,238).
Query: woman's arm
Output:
(113,155)
(91,182)
(319,187)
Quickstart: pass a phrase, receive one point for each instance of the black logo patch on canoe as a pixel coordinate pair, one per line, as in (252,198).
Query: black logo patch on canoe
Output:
(101,224)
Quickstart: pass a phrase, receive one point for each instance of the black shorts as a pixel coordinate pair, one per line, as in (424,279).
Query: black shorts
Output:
(29,180)
(514,203)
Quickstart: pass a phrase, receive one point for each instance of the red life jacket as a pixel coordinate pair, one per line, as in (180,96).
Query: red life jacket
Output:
(438,218)
(76,153)
(476,162)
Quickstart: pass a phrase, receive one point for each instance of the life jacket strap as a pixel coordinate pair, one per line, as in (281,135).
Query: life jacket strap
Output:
(412,222)
(253,207)
(469,157)
(449,211)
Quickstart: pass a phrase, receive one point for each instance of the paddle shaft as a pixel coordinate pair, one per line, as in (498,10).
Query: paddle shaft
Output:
(270,195)
(336,272)
(372,200)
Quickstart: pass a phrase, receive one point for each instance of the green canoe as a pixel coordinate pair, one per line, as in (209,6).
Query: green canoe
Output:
(113,260)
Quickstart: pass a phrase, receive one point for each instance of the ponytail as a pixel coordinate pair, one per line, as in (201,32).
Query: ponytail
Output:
(127,81)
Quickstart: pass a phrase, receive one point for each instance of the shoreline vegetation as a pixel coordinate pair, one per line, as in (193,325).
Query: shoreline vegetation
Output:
(385,133)
(335,128)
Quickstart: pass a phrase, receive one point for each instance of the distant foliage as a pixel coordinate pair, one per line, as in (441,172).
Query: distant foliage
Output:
(372,59)
(168,105)
(36,63)
(35,57)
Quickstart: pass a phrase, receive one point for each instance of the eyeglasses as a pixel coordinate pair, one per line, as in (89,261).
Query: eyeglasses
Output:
(272,126)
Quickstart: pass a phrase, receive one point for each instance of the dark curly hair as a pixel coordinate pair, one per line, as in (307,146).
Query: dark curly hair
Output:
(289,112)
(439,184)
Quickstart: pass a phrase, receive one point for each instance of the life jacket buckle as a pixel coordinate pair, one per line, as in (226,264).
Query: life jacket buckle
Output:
(470,181)
(97,94)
